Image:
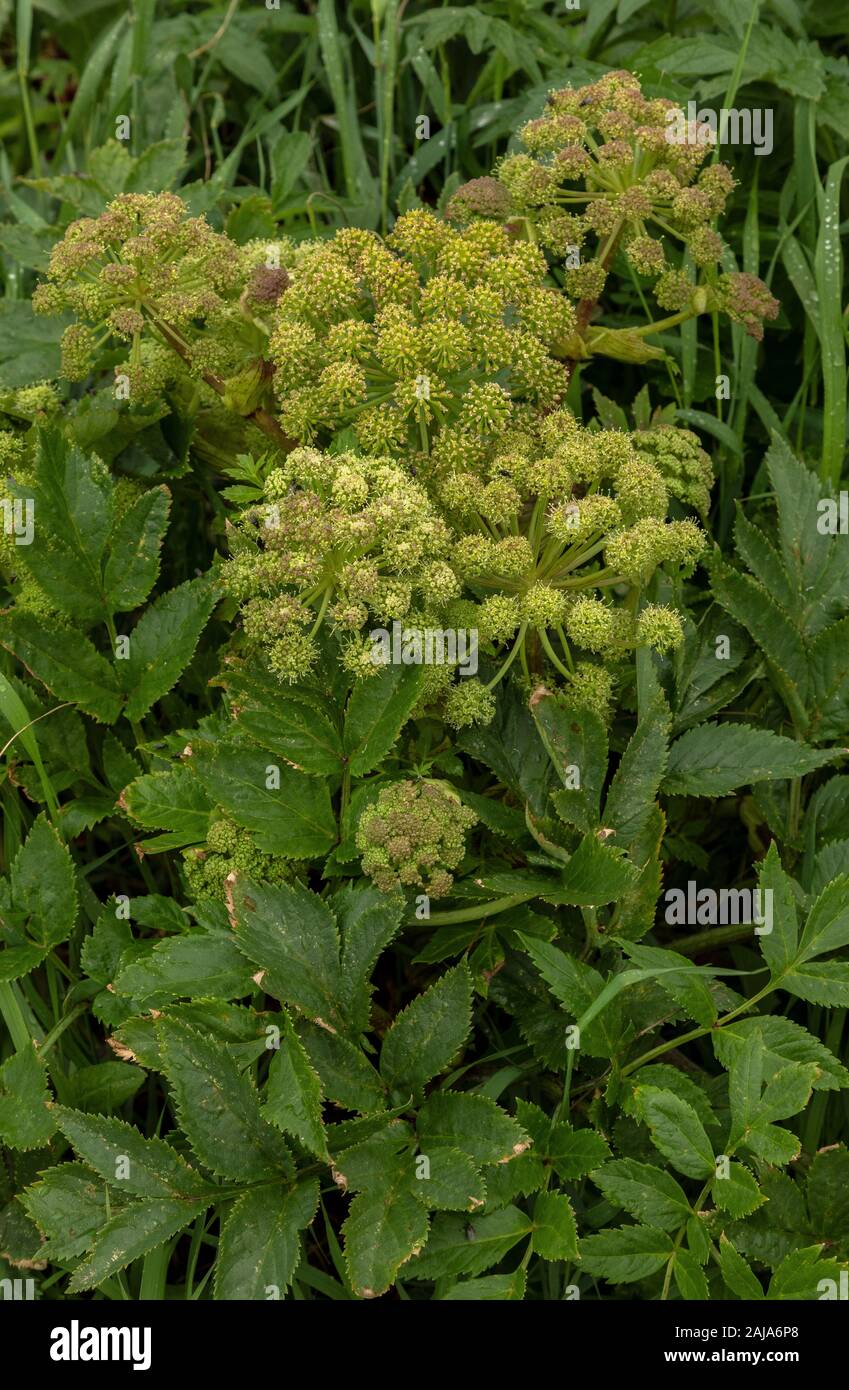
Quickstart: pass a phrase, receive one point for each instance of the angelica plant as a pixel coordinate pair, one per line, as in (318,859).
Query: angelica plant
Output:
(524,540)
(433,332)
(556,522)
(413,835)
(331,969)
(230,849)
(176,294)
(606,168)
(353,540)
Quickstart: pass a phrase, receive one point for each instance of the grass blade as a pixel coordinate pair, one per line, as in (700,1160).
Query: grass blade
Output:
(828,266)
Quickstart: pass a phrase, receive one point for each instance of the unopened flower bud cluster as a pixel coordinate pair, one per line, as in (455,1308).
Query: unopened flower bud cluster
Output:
(605,168)
(433,331)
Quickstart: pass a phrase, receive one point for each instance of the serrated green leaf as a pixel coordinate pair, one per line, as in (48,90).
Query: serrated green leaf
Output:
(448,1181)
(65,662)
(293,1097)
(162,643)
(175,800)
(368,921)
(577,986)
(458,1245)
(129,1162)
(758,552)
(132,1233)
(574,1152)
(297,730)
(596,874)
(714,759)
(736,1272)
(185,966)
(132,563)
(802,1275)
(260,1247)
(17,961)
(631,798)
(744,1087)
(371,1161)
(511,746)
(472,1123)
(575,739)
(698,1239)
(779,945)
(26,1122)
(626,1254)
(827,926)
(689,1276)
(44,885)
(377,711)
(826,929)
(788,1091)
(347,1076)
(492,1287)
(686,986)
(829,667)
(73,510)
(754,609)
(797,490)
(425,1038)
(555,1234)
(668,1078)
(103,1087)
(738,1194)
(647,1193)
(778,1227)
(819,982)
(288,812)
(218,1107)
(384,1229)
(782,1041)
(69,1205)
(676,1131)
(290,934)
(753,1112)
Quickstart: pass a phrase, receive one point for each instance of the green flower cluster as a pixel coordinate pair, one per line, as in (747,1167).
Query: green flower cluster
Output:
(685,467)
(432,331)
(531,543)
(11,451)
(230,849)
(145,267)
(31,403)
(550,526)
(467,498)
(353,539)
(413,835)
(605,167)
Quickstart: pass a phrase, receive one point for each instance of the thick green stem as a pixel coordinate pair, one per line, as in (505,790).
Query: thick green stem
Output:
(694,1033)
(551,653)
(514,652)
(472,914)
(714,936)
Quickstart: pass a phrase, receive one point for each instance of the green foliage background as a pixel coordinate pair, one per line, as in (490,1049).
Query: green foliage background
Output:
(135,1019)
